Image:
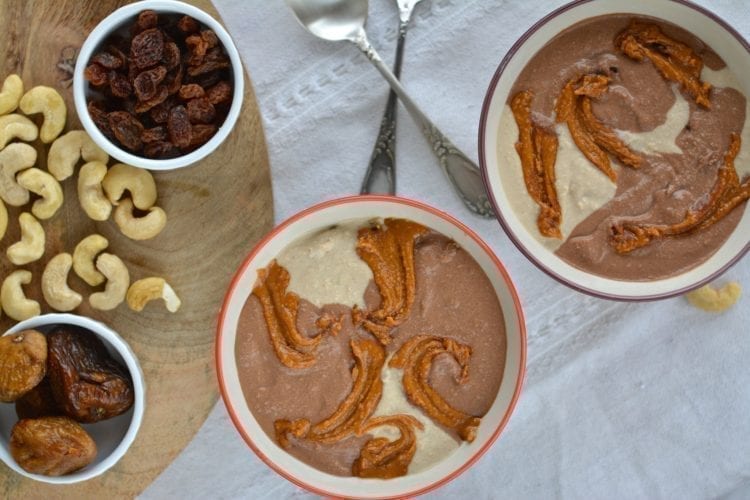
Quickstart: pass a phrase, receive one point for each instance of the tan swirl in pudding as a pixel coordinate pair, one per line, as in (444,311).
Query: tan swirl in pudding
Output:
(651,169)
(391,376)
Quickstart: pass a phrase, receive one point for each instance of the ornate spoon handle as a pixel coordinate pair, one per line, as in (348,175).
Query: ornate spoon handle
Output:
(460,170)
(381,172)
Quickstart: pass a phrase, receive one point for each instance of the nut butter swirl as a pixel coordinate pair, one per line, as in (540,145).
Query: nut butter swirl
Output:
(415,357)
(384,459)
(388,250)
(674,60)
(726,194)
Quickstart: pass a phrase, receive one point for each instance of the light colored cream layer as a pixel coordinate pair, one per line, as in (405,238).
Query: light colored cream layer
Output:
(581,188)
(433,443)
(324,268)
(662,139)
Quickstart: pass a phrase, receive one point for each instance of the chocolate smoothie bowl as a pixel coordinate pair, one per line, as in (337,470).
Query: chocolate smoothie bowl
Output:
(371,347)
(616,147)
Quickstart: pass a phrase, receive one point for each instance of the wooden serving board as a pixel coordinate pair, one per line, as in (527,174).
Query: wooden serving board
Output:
(217,209)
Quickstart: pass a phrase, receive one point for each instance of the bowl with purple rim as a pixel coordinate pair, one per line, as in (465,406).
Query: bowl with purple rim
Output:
(495,146)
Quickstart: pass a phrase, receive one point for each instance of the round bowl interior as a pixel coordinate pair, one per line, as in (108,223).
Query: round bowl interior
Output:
(713,31)
(114,436)
(315,219)
(122,18)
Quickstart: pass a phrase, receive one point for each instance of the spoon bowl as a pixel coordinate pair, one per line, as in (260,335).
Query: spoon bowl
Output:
(333,20)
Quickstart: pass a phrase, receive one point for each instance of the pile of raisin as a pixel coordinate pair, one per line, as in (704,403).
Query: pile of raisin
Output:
(164,89)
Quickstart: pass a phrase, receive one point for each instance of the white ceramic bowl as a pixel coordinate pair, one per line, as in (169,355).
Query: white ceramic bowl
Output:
(125,16)
(114,436)
(322,216)
(727,43)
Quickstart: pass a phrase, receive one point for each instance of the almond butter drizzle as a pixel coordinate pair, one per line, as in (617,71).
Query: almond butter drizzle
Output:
(384,459)
(415,357)
(726,194)
(537,148)
(592,137)
(674,60)
(280,312)
(389,252)
(358,406)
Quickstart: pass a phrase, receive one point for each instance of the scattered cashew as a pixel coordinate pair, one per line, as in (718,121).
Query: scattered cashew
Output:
(139,228)
(116,288)
(16,126)
(90,194)
(45,100)
(710,299)
(31,246)
(148,289)
(65,152)
(55,287)
(15,303)
(17,156)
(3,219)
(11,94)
(83,258)
(40,182)
(138,181)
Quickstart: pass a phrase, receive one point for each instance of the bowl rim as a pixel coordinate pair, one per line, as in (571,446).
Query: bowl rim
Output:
(98,35)
(498,213)
(116,342)
(381,199)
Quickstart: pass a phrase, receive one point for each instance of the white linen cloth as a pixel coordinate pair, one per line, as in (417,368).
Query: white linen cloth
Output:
(621,400)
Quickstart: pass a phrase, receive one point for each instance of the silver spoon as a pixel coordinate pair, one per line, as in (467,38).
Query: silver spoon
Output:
(381,172)
(336,20)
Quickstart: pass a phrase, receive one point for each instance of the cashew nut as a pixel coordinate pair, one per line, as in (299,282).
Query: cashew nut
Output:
(55,287)
(116,288)
(139,228)
(83,258)
(16,126)
(15,303)
(712,299)
(17,156)
(90,194)
(65,152)
(138,181)
(3,219)
(148,289)
(31,246)
(46,100)
(11,94)
(40,182)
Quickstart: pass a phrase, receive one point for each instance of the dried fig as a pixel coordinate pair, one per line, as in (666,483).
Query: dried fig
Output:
(23,363)
(87,383)
(53,446)
(38,402)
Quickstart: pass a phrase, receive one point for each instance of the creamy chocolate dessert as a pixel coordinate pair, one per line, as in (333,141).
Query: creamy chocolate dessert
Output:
(372,348)
(625,148)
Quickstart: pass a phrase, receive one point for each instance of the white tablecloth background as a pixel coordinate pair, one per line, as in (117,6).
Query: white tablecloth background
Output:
(621,400)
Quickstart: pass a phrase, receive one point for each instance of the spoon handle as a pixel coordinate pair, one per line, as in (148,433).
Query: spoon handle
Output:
(460,170)
(381,172)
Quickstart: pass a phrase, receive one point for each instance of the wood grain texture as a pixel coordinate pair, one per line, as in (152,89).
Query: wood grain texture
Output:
(216,209)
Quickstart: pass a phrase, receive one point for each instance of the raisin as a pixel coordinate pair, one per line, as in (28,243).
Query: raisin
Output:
(210,38)
(119,85)
(206,67)
(191,91)
(38,402)
(178,126)
(197,48)
(154,134)
(174,80)
(160,112)
(96,75)
(23,363)
(171,56)
(87,383)
(99,117)
(126,129)
(107,60)
(220,93)
(161,149)
(147,19)
(201,111)
(207,80)
(200,134)
(147,48)
(160,96)
(53,446)
(115,50)
(188,25)
(145,84)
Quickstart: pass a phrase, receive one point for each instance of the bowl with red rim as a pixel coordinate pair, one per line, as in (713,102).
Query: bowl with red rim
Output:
(705,25)
(325,215)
